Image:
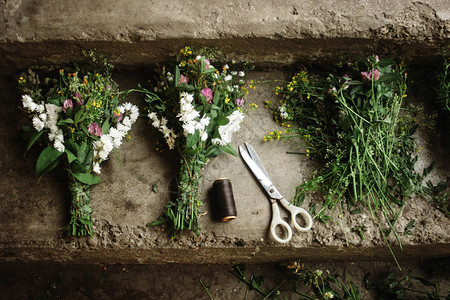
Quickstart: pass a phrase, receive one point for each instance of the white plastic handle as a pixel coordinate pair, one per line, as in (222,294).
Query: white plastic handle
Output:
(295,210)
(277,221)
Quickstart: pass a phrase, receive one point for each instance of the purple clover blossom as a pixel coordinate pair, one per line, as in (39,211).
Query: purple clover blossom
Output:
(95,130)
(117,115)
(367,76)
(67,104)
(183,79)
(78,99)
(208,93)
(207,63)
(240,102)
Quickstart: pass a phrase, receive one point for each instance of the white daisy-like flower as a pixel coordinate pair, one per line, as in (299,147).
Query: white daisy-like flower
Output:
(38,124)
(152,116)
(234,73)
(228,78)
(96,168)
(226,67)
(241,73)
(58,145)
(28,103)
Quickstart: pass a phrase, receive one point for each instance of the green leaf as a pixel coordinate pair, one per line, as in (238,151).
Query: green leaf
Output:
(177,75)
(192,140)
(209,71)
(385,62)
(213,151)
(70,156)
(221,120)
(158,222)
(72,146)
(48,169)
(387,78)
(66,121)
(354,82)
(215,107)
(83,152)
(47,157)
(105,126)
(33,140)
(216,98)
(58,101)
(228,148)
(87,178)
(185,87)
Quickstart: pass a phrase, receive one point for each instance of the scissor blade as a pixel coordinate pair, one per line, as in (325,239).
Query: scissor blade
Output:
(256,159)
(257,171)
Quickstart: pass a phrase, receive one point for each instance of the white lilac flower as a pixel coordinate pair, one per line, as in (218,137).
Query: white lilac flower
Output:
(38,124)
(189,128)
(103,147)
(284,115)
(241,73)
(226,131)
(229,88)
(234,73)
(156,122)
(226,67)
(28,103)
(116,136)
(228,78)
(127,122)
(96,168)
(205,121)
(170,142)
(123,128)
(198,57)
(203,136)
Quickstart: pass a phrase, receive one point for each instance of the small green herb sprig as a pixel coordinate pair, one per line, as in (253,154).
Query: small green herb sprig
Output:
(353,125)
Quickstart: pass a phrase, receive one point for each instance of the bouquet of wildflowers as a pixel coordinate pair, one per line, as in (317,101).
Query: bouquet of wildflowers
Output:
(353,125)
(80,119)
(196,109)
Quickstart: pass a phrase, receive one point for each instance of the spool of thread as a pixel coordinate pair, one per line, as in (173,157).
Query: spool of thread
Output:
(222,200)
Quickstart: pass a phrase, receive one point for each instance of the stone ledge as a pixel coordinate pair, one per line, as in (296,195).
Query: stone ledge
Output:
(34,215)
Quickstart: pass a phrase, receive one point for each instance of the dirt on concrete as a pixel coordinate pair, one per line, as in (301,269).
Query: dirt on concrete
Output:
(62,281)
(34,215)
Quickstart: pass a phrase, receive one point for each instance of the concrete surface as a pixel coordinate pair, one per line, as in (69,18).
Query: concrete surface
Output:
(61,281)
(33,215)
(269,32)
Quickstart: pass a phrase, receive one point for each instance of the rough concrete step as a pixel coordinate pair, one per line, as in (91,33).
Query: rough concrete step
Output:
(136,32)
(62,281)
(34,215)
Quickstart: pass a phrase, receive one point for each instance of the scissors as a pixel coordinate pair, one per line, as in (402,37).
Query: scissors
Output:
(254,163)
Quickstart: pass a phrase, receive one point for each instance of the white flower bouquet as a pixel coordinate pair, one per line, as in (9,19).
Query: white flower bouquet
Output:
(196,109)
(81,121)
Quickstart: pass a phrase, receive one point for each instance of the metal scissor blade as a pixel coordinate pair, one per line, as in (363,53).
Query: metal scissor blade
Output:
(259,173)
(256,159)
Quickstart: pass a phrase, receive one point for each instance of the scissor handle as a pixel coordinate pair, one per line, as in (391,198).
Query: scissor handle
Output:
(277,221)
(295,210)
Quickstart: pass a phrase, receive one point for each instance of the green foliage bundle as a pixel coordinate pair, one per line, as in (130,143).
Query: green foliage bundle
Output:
(195,107)
(78,116)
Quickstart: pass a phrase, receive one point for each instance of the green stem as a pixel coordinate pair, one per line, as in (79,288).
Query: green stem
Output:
(80,208)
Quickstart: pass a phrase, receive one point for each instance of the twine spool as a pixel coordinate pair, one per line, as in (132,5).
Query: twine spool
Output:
(222,200)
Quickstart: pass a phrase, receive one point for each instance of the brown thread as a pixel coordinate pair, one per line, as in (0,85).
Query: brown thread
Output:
(222,200)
